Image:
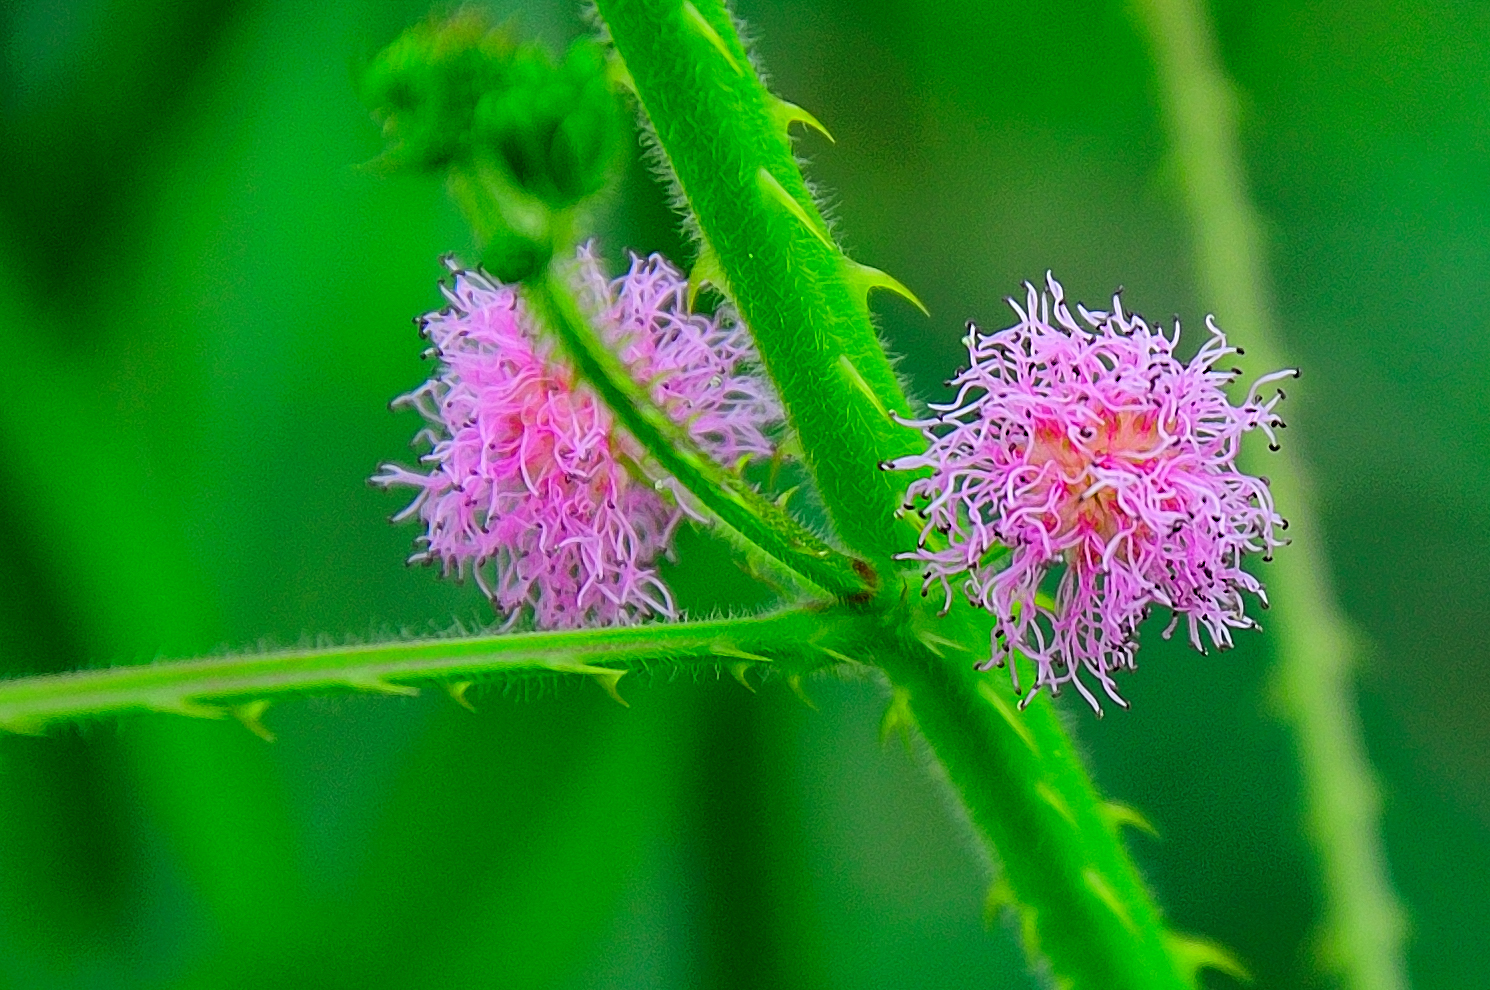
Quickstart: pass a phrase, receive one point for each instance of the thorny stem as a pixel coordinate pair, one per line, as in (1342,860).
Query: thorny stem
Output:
(1364,919)
(794,640)
(489,205)
(764,243)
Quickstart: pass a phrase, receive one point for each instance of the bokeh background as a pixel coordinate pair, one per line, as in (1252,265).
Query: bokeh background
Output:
(204,309)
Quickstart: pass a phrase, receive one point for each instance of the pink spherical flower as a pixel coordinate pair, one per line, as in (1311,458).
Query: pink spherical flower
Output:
(1090,444)
(530,485)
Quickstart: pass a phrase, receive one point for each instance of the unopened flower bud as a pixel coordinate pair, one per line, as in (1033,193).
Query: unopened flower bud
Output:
(424,88)
(555,129)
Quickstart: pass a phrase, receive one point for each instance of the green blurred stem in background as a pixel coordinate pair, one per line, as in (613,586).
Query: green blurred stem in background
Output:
(126,577)
(1364,923)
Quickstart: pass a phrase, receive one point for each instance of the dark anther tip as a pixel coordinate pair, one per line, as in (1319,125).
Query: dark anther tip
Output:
(1241,350)
(1274,447)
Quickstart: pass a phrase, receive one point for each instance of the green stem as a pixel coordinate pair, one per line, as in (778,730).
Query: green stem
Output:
(757,520)
(1364,919)
(1065,874)
(214,688)
(1065,871)
(763,237)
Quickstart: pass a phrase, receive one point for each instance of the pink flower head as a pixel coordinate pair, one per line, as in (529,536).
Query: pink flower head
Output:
(1090,444)
(702,371)
(532,486)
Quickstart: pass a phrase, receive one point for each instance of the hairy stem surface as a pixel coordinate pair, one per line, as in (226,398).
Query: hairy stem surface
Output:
(763,238)
(214,688)
(1066,877)
(1364,919)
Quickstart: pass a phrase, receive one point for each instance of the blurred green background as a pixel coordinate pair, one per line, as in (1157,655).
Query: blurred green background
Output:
(204,309)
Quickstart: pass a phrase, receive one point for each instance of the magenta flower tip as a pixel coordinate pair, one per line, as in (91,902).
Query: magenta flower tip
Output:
(530,485)
(1089,444)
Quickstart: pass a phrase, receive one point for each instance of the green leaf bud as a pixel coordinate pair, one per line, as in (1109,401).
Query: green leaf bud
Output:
(556,130)
(521,140)
(424,88)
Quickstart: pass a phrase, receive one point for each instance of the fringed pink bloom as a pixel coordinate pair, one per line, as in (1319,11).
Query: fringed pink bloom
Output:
(1089,444)
(531,486)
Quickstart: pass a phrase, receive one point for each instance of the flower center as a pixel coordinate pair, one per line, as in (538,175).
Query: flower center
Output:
(1085,513)
(548,430)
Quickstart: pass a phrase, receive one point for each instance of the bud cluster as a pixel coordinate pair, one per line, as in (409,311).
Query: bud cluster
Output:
(523,139)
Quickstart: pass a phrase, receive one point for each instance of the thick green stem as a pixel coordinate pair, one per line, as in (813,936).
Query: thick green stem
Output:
(1082,904)
(214,688)
(756,519)
(1364,920)
(1079,900)
(762,236)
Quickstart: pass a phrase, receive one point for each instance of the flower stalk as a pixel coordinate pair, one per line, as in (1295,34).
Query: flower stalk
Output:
(757,520)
